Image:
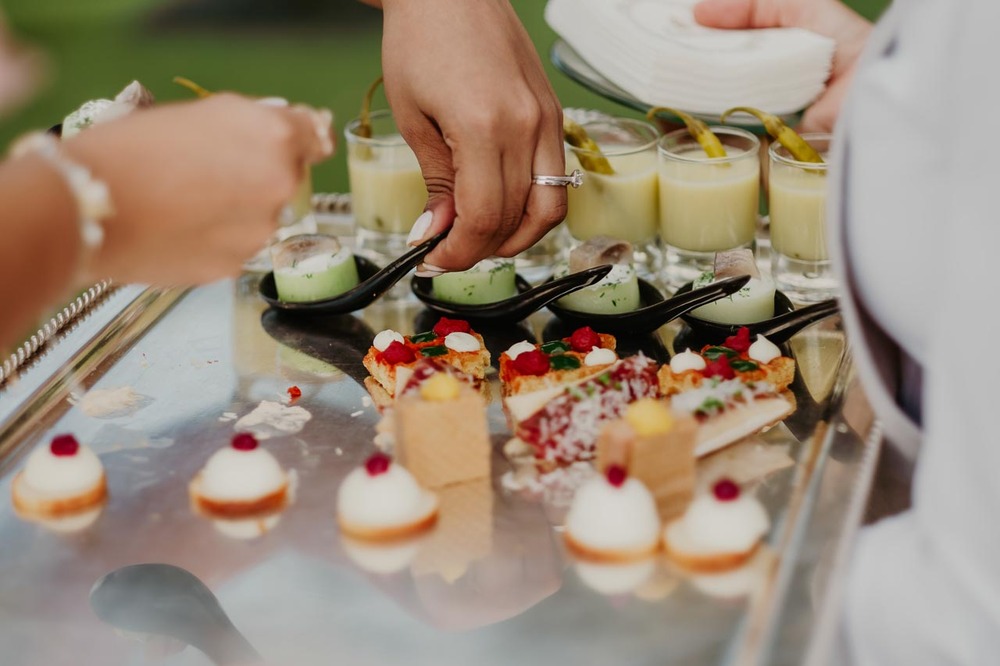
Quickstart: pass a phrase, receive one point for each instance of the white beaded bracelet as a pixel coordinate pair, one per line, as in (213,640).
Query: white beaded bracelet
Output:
(93,200)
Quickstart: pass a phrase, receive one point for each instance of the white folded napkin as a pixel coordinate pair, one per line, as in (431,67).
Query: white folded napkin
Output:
(654,50)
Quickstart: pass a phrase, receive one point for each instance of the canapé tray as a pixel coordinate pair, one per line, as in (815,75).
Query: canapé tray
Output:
(493,584)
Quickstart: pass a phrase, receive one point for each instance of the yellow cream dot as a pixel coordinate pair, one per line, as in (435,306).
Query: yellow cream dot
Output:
(649,417)
(440,387)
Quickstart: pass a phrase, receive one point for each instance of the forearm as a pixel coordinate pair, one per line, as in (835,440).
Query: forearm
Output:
(41,247)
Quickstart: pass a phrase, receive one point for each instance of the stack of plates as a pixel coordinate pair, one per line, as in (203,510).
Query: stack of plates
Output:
(654,50)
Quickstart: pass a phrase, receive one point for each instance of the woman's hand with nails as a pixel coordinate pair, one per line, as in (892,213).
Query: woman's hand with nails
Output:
(469,95)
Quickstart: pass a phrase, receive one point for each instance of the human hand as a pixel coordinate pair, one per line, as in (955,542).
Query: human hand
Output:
(197,187)
(825,17)
(469,95)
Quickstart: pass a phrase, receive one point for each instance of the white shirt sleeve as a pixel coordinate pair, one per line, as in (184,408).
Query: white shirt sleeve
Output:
(925,585)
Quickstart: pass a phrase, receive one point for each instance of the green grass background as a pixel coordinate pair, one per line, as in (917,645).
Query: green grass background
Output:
(95,47)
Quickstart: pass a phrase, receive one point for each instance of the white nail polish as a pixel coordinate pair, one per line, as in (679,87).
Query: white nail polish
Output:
(420,226)
(429,271)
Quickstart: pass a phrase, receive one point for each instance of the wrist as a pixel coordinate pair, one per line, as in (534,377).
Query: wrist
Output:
(91,198)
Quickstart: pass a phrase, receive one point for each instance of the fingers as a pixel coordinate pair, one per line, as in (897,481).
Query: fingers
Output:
(434,157)
(546,205)
(822,115)
(312,132)
(479,205)
(741,14)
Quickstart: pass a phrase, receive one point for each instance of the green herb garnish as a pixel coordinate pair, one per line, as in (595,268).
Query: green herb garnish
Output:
(711,405)
(561,362)
(436,350)
(429,336)
(555,347)
(743,366)
(713,353)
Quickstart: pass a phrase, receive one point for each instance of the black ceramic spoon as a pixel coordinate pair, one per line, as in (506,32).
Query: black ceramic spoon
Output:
(374,283)
(656,311)
(165,600)
(781,328)
(787,320)
(516,307)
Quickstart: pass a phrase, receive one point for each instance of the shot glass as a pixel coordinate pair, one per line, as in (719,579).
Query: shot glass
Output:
(623,204)
(707,204)
(387,187)
(797,201)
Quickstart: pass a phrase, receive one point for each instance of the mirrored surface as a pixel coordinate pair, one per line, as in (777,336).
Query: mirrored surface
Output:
(491,584)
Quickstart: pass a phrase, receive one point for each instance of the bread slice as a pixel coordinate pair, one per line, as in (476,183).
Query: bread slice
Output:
(425,518)
(608,556)
(473,364)
(35,504)
(736,422)
(779,373)
(679,552)
(268,503)
(513,383)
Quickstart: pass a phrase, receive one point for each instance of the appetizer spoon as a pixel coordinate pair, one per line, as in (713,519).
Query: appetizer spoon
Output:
(374,283)
(516,307)
(164,600)
(779,329)
(787,320)
(656,312)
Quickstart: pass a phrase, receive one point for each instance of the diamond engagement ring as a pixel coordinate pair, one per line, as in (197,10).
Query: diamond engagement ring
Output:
(575,179)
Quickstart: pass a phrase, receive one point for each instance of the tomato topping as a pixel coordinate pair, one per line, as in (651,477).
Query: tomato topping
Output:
(741,341)
(726,490)
(244,441)
(584,339)
(532,363)
(616,475)
(64,445)
(294,392)
(446,326)
(719,368)
(377,463)
(397,352)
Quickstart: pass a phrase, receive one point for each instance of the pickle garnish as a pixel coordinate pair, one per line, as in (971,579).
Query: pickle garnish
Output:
(785,135)
(697,128)
(591,158)
(364,128)
(192,86)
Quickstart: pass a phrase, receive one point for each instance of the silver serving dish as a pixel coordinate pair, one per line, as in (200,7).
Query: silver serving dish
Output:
(493,584)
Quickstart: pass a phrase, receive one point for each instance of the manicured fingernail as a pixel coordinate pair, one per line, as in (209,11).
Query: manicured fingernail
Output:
(429,271)
(420,226)
(277,102)
(323,122)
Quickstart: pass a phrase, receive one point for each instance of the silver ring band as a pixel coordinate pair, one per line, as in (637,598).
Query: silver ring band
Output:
(575,179)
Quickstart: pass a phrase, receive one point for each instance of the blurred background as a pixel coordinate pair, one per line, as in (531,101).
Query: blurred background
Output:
(324,52)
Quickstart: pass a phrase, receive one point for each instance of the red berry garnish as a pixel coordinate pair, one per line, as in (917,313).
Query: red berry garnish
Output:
(616,475)
(719,368)
(244,441)
(294,392)
(584,339)
(741,341)
(377,464)
(726,490)
(64,445)
(446,326)
(397,352)
(535,362)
